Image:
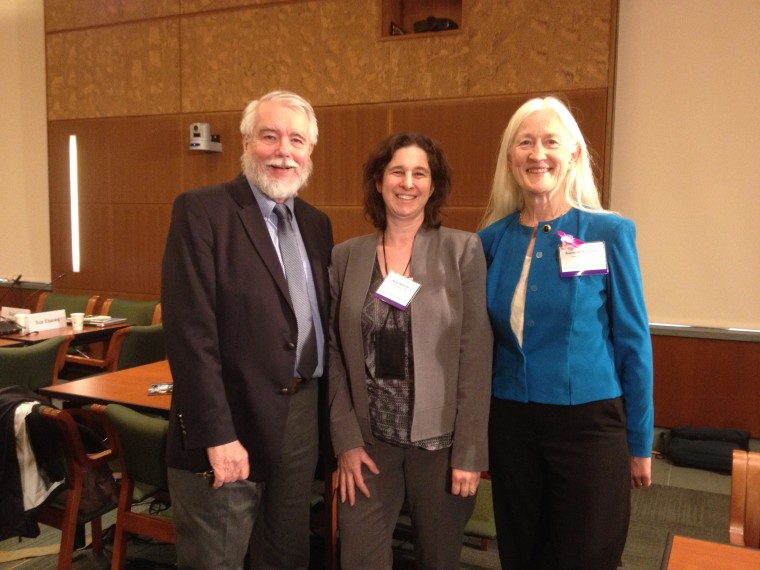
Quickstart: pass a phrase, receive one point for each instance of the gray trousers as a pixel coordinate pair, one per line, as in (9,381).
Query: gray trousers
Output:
(257,525)
(438,517)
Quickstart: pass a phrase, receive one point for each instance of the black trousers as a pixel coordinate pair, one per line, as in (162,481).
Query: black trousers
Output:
(561,484)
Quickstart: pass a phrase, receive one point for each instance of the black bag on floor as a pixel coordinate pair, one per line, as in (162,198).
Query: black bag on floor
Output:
(704,448)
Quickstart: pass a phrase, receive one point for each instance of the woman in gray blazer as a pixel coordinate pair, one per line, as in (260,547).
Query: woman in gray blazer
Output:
(410,363)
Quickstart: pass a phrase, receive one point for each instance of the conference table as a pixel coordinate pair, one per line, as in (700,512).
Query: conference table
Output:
(683,553)
(88,334)
(10,342)
(128,387)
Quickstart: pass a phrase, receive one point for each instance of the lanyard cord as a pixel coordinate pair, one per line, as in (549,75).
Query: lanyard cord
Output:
(385,259)
(390,307)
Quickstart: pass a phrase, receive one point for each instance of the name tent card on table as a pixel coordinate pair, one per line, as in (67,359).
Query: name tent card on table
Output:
(11,312)
(37,322)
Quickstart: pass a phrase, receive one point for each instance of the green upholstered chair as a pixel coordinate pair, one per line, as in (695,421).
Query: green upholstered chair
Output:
(34,366)
(128,347)
(141,442)
(69,303)
(482,524)
(68,512)
(136,312)
(142,345)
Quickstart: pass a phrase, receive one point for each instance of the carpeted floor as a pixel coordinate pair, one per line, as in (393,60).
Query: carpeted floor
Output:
(659,510)
(655,513)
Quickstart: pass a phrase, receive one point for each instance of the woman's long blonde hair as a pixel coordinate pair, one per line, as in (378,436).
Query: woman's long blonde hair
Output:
(580,188)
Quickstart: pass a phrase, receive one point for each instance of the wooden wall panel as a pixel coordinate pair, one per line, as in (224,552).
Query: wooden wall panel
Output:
(190,6)
(135,58)
(466,218)
(204,168)
(120,160)
(346,137)
(135,263)
(706,382)
(129,79)
(131,69)
(72,14)
(348,222)
(470,132)
(94,159)
(131,169)
(60,242)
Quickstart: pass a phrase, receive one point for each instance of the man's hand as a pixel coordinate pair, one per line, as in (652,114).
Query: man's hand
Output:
(229,462)
(350,473)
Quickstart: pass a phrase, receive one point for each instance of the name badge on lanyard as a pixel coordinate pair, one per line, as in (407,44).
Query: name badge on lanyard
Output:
(397,290)
(588,258)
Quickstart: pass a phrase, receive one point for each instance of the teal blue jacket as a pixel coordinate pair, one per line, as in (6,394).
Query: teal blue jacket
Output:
(585,338)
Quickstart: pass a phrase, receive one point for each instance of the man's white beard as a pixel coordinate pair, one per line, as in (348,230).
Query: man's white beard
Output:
(277,190)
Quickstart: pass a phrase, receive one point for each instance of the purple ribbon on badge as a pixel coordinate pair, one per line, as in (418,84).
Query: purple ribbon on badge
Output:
(567,239)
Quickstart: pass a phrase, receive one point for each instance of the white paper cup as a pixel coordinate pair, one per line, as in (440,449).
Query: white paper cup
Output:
(77,321)
(21,320)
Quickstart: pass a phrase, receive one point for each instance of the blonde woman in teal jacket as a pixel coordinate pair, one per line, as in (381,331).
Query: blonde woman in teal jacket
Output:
(571,421)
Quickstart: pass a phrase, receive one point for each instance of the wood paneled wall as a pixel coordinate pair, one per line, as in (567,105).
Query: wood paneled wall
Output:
(706,382)
(129,78)
(130,170)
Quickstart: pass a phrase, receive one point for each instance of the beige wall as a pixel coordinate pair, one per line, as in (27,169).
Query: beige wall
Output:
(685,165)
(24,230)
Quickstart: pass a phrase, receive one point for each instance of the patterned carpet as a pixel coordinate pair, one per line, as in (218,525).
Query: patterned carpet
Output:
(655,513)
(660,510)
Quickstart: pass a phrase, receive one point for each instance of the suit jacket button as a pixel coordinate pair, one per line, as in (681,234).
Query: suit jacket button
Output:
(284,391)
(290,346)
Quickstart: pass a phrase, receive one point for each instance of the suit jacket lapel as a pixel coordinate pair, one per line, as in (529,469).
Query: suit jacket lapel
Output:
(258,234)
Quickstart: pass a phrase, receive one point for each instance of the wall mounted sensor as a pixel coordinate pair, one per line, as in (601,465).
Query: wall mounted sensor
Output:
(202,139)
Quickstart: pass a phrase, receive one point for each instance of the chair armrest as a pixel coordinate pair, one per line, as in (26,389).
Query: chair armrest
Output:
(86,361)
(738,498)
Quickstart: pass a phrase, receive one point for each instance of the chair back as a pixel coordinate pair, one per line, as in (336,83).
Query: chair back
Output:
(142,345)
(34,366)
(143,444)
(482,523)
(136,312)
(127,348)
(48,301)
(141,441)
(81,466)
(744,510)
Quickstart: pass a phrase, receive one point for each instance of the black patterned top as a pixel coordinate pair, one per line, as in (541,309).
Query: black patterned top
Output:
(390,385)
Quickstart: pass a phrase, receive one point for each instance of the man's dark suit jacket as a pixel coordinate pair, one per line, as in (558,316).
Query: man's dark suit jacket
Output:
(230,328)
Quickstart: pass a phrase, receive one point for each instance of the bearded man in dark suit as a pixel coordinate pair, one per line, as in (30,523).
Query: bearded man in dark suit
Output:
(243,436)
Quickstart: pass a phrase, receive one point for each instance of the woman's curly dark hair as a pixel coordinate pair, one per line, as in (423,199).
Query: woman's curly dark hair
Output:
(374,170)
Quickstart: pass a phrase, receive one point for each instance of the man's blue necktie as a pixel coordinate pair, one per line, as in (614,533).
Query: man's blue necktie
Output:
(306,351)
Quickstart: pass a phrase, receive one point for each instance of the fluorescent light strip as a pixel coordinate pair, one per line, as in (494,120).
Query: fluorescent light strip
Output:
(74,198)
